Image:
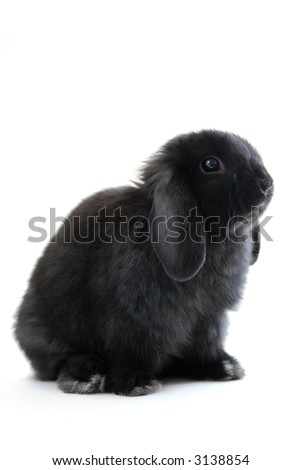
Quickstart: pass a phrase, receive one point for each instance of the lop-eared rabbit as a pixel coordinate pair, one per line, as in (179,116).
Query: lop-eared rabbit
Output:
(136,284)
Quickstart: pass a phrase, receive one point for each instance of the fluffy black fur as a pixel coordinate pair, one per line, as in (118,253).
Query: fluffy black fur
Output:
(115,316)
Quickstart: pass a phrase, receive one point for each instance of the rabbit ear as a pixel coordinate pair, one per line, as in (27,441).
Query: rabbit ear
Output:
(255,244)
(176,228)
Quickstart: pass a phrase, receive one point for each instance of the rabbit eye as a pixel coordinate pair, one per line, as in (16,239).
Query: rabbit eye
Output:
(210,164)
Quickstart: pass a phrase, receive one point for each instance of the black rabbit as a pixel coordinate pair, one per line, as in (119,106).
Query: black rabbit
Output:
(136,284)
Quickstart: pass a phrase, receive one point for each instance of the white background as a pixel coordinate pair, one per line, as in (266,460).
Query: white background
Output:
(88,90)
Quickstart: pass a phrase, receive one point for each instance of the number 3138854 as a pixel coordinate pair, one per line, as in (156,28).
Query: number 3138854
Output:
(221,460)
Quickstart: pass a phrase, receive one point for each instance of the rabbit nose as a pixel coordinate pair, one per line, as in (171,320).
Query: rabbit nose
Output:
(266,184)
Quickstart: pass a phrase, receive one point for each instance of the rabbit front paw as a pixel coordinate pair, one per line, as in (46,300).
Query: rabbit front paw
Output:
(226,369)
(232,370)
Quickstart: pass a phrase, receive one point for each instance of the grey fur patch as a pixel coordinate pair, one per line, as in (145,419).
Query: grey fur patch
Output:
(71,385)
(234,370)
(152,387)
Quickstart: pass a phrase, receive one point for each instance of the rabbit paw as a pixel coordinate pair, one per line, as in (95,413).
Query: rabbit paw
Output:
(227,369)
(131,385)
(232,370)
(68,384)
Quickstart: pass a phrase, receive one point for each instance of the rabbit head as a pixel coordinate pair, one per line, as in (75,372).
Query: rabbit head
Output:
(193,178)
